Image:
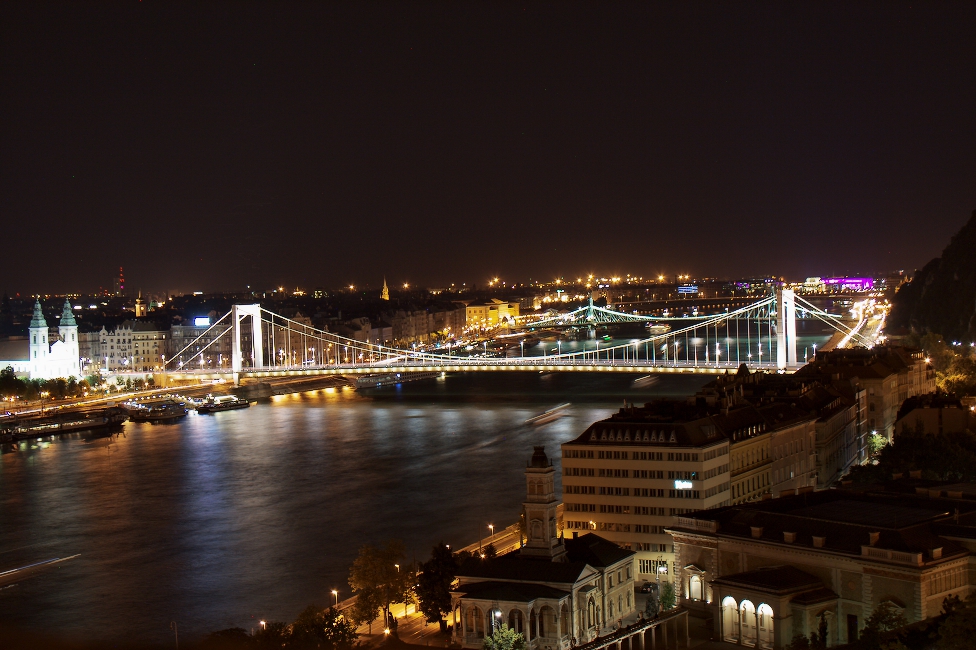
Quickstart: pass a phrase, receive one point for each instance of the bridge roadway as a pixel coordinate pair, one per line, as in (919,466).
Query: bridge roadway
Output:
(479,365)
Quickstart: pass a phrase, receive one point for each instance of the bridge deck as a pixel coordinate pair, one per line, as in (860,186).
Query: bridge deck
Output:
(499,365)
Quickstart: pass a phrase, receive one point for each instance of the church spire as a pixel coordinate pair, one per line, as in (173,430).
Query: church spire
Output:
(67,316)
(38,318)
(385,295)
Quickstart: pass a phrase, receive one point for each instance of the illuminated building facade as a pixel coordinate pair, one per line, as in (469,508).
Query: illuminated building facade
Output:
(490,314)
(558,592)
(771,569)
(39,358)
(627,477)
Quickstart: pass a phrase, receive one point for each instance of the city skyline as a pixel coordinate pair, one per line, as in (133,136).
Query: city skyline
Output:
(211,148)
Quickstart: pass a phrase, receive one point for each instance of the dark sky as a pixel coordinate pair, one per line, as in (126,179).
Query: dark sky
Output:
(213,145)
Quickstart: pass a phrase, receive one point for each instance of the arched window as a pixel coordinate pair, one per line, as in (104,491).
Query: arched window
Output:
(476,623)
(730,619)
(516,620)
(747,621)
(764,619)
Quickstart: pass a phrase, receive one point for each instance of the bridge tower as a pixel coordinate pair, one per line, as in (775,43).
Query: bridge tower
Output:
(785,328)
(238,313)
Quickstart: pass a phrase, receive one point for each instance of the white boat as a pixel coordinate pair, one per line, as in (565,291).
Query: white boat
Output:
(554,413)
(222,403)
(646,380)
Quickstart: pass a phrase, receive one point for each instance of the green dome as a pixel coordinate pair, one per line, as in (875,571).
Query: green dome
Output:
(38,319)
(68,316)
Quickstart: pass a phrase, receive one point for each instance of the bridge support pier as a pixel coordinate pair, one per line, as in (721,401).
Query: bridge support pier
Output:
(238,313)
(785,328)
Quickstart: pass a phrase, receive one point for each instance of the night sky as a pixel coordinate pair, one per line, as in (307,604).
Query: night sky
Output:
(208,146)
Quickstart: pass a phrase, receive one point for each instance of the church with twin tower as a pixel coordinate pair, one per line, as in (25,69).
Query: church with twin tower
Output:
(62,359)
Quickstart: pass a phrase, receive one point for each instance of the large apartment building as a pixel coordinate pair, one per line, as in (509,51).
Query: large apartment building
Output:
(626,477)
(888,374)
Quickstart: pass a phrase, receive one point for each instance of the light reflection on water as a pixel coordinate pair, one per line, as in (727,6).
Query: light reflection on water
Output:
(222,520)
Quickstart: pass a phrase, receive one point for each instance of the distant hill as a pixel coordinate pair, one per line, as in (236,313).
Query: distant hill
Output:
(942,296)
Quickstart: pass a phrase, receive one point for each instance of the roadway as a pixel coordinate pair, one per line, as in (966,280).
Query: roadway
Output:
(480,365)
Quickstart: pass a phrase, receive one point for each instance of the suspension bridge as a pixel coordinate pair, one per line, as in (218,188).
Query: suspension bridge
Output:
(263,344)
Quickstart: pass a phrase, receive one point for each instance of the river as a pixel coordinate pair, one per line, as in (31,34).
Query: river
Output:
(222,520)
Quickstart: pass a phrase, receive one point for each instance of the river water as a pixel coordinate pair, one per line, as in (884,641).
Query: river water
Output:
(222,520)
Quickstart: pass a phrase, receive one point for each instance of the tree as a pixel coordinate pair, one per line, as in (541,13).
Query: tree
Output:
(818,640)
(959,627)
(668,597)
(383,575)
(652,607)
(505,638)
(322,628)
(489,552)
(229,639)
(799,642)
(434,585)
(886,617)
(366,607)
(273,634)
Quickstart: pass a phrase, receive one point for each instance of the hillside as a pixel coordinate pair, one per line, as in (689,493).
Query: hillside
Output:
(942,296)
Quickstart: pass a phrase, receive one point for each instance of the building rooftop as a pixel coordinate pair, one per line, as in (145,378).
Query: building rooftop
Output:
(893,525)
(518,592)
(781,579)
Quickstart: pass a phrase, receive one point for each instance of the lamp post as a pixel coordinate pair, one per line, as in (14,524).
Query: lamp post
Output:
(335,593)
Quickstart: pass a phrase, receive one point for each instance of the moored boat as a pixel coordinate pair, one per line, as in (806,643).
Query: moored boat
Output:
(222,403)
(109,419)
(160,411)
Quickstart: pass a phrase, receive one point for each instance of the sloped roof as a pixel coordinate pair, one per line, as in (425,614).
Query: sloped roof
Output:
(510,591)
(596,551)
(846,520)
(779,579)
(515,568)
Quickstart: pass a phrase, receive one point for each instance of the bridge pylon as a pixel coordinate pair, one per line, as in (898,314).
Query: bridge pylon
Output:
(238,313)
(785,328)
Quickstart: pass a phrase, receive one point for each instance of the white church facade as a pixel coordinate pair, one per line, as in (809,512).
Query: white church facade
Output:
(39,358)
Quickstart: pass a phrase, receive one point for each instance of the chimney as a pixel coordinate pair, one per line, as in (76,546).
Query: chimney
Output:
(873,537)
(789,538)
(936,553)
(818,542)
(756,531)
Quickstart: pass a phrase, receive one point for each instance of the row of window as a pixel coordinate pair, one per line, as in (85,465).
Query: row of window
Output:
(712,491)
(715,471)
(714,453)
(653,566)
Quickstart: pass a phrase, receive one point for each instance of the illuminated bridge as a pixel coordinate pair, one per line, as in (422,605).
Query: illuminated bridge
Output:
(264,344)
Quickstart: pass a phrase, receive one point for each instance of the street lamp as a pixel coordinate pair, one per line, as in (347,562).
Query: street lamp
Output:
(336,594)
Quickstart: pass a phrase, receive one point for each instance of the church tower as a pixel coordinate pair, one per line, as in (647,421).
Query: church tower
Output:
(68,332)
(140,306)
(539,510)
(385,295)
(39,348)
